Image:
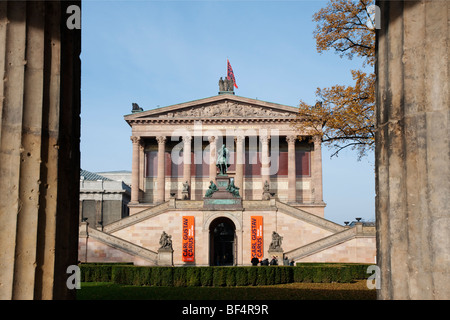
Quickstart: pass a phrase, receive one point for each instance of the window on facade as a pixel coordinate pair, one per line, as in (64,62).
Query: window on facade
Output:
(151,161)
(302,163)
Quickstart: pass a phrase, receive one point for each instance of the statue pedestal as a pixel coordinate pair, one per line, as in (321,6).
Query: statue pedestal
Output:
(226,92)
(277,253)
(222,199)
(165,257)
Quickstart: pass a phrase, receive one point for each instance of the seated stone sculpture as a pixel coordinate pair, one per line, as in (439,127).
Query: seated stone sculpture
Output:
(233,189)
(212,188)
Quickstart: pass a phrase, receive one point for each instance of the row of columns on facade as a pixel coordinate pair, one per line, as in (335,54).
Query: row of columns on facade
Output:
(316,171)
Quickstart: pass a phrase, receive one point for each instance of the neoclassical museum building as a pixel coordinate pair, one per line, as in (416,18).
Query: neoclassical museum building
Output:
(218,181)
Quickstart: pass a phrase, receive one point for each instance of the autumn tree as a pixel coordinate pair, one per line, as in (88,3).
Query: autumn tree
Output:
(344,115)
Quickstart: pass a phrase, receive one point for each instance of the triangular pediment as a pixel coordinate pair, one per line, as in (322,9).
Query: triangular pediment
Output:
(218,107)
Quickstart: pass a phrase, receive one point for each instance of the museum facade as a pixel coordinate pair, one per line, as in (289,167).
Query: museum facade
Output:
(220,180)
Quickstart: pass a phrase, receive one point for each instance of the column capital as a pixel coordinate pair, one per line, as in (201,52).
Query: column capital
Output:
(135,139)
(264,138)
(239,139)
(317,139)
(187,139)
(161,139)
(291,139)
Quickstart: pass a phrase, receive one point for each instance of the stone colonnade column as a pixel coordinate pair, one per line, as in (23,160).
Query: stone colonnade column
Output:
(187,162)
(135,170)
(292,192)
(412,150)
(39,149)
(161,174)
(212,158)
(240,164)
(316,169)
(265,159)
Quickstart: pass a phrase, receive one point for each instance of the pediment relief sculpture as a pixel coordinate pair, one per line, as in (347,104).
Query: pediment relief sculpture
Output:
(227,109)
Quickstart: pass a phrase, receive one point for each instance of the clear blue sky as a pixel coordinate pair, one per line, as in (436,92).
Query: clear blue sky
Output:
(158,53)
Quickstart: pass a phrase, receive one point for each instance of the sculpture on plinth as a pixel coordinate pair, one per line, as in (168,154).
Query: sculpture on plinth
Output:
(226,85)
(266,191)
(223,160)
(165,241)
(233,189)
(165,252)
(275,245)
(212,188)
(185,192)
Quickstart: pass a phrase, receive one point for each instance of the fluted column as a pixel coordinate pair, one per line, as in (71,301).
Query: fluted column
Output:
(412,163)
(316,169)
(212,158)
(265,159)
(240,159)
(135,170)
(187,162)
(292,192)
(39,149)
(161,175)
(141,166)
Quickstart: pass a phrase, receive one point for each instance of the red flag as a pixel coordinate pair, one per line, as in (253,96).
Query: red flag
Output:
(230,73)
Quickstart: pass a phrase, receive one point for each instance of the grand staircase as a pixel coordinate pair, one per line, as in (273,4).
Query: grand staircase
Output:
(341,234)
(123,245)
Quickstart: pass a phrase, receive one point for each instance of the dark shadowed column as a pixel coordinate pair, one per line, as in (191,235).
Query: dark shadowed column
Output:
(39,148)
(412,150)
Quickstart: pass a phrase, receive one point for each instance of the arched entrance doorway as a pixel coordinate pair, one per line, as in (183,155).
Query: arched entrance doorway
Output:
(222,242)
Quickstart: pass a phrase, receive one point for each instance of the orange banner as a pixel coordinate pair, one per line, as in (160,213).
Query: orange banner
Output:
(257,247)
(188,239)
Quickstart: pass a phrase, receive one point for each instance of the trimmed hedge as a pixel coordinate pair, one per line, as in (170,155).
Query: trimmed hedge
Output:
(96,273)
(222,276)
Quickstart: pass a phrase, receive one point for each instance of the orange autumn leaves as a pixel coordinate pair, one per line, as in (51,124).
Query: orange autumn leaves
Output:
(344,115)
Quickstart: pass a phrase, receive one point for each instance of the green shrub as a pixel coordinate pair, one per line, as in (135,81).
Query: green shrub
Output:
(155,279)
(231,276)
(345,275)
(270,275)
(242,276)
(193,277)
(167,276)
(261,277)
(284,275)
(303,274)
(123,274)
(180,277)
(141,276)
(219,276)
(252,275)
(222,276)
(95,273)
(206,276)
